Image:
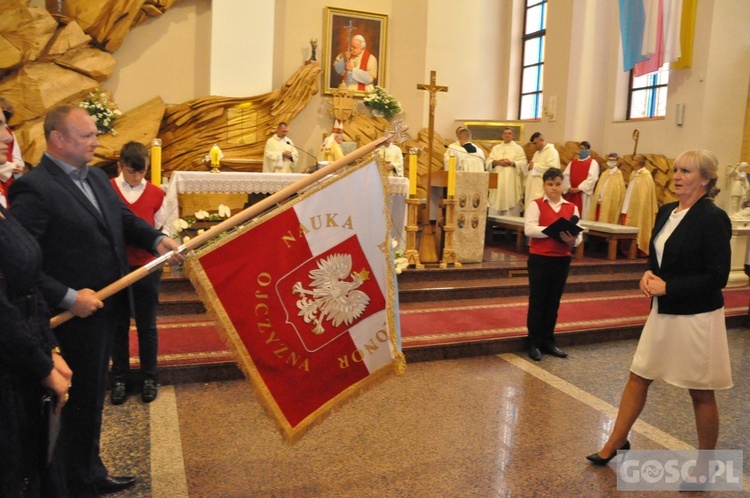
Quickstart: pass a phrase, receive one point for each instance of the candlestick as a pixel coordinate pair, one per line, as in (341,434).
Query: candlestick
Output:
(156,162)
(412,172)
(215,156)
(452,175)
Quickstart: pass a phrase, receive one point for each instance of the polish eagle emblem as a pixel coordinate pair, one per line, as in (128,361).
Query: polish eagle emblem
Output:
(334,295)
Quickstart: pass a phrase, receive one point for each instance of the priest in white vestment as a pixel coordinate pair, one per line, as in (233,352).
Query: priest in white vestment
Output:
(508,160)
(545,157)
(469,157)
(393,158)
(452,148)
(360,65)
(280,154)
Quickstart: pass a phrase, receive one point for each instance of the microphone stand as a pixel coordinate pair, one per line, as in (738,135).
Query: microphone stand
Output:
(311,168)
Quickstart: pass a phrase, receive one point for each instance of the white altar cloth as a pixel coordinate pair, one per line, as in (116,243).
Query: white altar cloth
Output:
(228,182)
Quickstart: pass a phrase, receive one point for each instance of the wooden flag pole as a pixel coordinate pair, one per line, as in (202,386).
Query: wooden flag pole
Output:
(229,223)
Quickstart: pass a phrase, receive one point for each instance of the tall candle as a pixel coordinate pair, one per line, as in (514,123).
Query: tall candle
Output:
(156,162)
(412,172)
(452,175)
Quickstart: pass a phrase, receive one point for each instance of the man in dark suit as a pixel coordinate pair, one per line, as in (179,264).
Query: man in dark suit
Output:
(82,228)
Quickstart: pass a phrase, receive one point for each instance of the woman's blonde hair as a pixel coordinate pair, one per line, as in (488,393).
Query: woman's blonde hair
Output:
(708,167)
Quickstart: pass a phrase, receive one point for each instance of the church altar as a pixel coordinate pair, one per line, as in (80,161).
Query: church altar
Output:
(229,182)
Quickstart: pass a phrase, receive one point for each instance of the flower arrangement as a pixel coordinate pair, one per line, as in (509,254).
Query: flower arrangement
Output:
(400,262)
(101,108)
(382,103)
(181,225)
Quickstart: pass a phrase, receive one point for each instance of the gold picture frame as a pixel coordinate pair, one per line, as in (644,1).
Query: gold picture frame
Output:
(370,25)
(491,132)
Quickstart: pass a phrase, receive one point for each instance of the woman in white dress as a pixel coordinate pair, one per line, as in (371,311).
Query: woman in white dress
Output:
(684,340)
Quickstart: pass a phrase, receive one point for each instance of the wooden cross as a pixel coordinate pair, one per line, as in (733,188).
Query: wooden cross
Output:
(427,251)
(433,89)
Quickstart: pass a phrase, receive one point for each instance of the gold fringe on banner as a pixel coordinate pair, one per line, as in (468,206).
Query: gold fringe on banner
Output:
(231,338)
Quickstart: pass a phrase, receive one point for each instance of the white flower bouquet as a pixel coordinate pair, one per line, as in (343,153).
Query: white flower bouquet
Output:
(382,104)
(103,111)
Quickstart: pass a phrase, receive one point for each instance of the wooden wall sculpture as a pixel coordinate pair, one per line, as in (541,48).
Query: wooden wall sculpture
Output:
(61,55)
(189,130)
(108,22)
(43,64)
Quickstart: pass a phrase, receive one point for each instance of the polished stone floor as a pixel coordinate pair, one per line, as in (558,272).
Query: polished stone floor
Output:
(490,426)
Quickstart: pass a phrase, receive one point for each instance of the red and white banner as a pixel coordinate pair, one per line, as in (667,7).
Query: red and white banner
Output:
(305,297)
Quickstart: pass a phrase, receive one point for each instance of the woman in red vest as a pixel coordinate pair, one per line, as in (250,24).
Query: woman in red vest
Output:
(549,261)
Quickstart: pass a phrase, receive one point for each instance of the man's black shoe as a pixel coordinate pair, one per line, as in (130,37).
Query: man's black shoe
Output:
(535,354)
(149,391)
(118,394)
(555,351)
(112,484)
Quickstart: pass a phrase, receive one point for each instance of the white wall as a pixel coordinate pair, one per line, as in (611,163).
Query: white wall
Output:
(167,56)
(588,80)
(463,47)
(241,34)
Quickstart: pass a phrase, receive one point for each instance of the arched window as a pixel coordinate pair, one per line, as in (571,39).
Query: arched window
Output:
(648,94)
(532,68)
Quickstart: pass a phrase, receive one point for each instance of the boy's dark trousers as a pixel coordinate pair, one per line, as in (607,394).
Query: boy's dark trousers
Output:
(547,276)
(145,301)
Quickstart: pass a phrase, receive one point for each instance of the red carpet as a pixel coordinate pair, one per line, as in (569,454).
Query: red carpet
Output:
(184,343)
(459,324)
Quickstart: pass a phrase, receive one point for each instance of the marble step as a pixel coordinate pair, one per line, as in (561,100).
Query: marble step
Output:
(516,268)
(485,288)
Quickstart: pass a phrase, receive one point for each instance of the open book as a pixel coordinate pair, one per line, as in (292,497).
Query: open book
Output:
(563,225)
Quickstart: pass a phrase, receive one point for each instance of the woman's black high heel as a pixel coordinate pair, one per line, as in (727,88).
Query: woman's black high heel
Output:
(597,460)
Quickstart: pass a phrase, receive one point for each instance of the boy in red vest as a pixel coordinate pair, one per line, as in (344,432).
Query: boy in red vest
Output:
(147,202)
(549,261)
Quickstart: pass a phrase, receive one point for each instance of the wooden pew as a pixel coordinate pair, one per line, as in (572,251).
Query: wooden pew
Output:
(612,234)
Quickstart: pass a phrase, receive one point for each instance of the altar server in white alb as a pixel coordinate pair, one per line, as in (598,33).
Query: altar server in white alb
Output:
(393,158)
(280,155)
(580,178)
(545,157)
(508,160)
